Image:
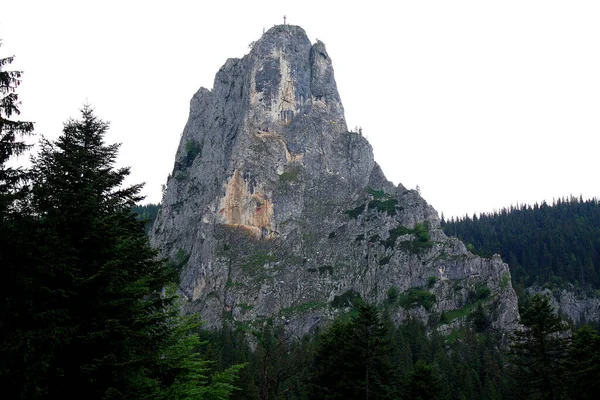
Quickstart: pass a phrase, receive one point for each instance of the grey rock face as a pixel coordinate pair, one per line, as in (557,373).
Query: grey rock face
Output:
(275,210)
(578,309)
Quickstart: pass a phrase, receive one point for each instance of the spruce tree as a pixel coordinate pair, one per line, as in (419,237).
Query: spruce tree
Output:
(583,364)
(12,132)
(16,234)
(539,349)
(352,359)
(111,330)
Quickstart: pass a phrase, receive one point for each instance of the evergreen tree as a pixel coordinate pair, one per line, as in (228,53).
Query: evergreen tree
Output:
(543,244)
(11,133)
(539,349)
(583,364)
(16,235)
(107,328)
(424,382)
(351,359)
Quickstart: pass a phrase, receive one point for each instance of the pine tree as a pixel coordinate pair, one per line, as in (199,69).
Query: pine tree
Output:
(538,351)
(109,329)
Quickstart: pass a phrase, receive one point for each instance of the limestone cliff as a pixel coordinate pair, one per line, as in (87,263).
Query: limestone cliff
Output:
(275,210)
(571,304)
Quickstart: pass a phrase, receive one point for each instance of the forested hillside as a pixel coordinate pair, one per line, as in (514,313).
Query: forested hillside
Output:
(543,244)
(362,355)
(147,213)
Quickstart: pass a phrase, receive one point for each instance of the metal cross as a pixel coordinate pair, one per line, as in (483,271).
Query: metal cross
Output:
(284,18)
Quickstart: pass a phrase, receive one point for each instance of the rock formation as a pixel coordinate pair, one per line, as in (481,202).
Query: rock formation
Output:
(275,210)
(571,304)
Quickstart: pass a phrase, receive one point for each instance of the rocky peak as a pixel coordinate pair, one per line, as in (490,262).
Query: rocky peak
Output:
(275,210)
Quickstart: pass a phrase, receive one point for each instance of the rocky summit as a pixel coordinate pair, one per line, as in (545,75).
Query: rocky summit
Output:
(275,210)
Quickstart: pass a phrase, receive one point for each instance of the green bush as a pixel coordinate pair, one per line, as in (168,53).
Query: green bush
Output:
(393,294)
(326,269)
(181,259)
(415,297)
(355,212)
(505,281)
(421,231)
(482,292)
(192,149)
(388,206)
(376,194)
(348,299)
(431,281)
(385,260)
(288,176)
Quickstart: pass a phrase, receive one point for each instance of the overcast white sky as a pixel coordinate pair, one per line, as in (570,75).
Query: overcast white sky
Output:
(482,104)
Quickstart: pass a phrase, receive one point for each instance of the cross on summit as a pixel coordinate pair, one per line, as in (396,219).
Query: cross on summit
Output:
(284,18)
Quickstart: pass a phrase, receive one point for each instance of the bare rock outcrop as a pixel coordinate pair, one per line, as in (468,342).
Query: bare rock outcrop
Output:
(275,210)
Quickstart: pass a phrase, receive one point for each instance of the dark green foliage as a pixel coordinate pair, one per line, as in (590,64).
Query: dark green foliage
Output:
(415,297)
(352,359)
(376,194)
(405,362)
(12,132)
(388,206)
(351,298)
(393,294)
(192,150)
(102,319)
(180,261)
(257,260)
(277,368)
(424,382)
(421,233)
(582,364)
(481,293)
(288,176)
(380,201)
(18,247)
(480,318)
(147,213)
(326,269)
(543,244)
(539,349)
(431,280)
(416,246)
(374,238)
(302,307)
(385,260)
(355,212)
(395,234)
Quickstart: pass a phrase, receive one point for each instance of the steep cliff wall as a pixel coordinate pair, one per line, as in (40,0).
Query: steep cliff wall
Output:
(575,307)
(280,212)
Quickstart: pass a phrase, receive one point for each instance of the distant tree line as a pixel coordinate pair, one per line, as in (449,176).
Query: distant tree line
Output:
(147,213)
(542,244)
